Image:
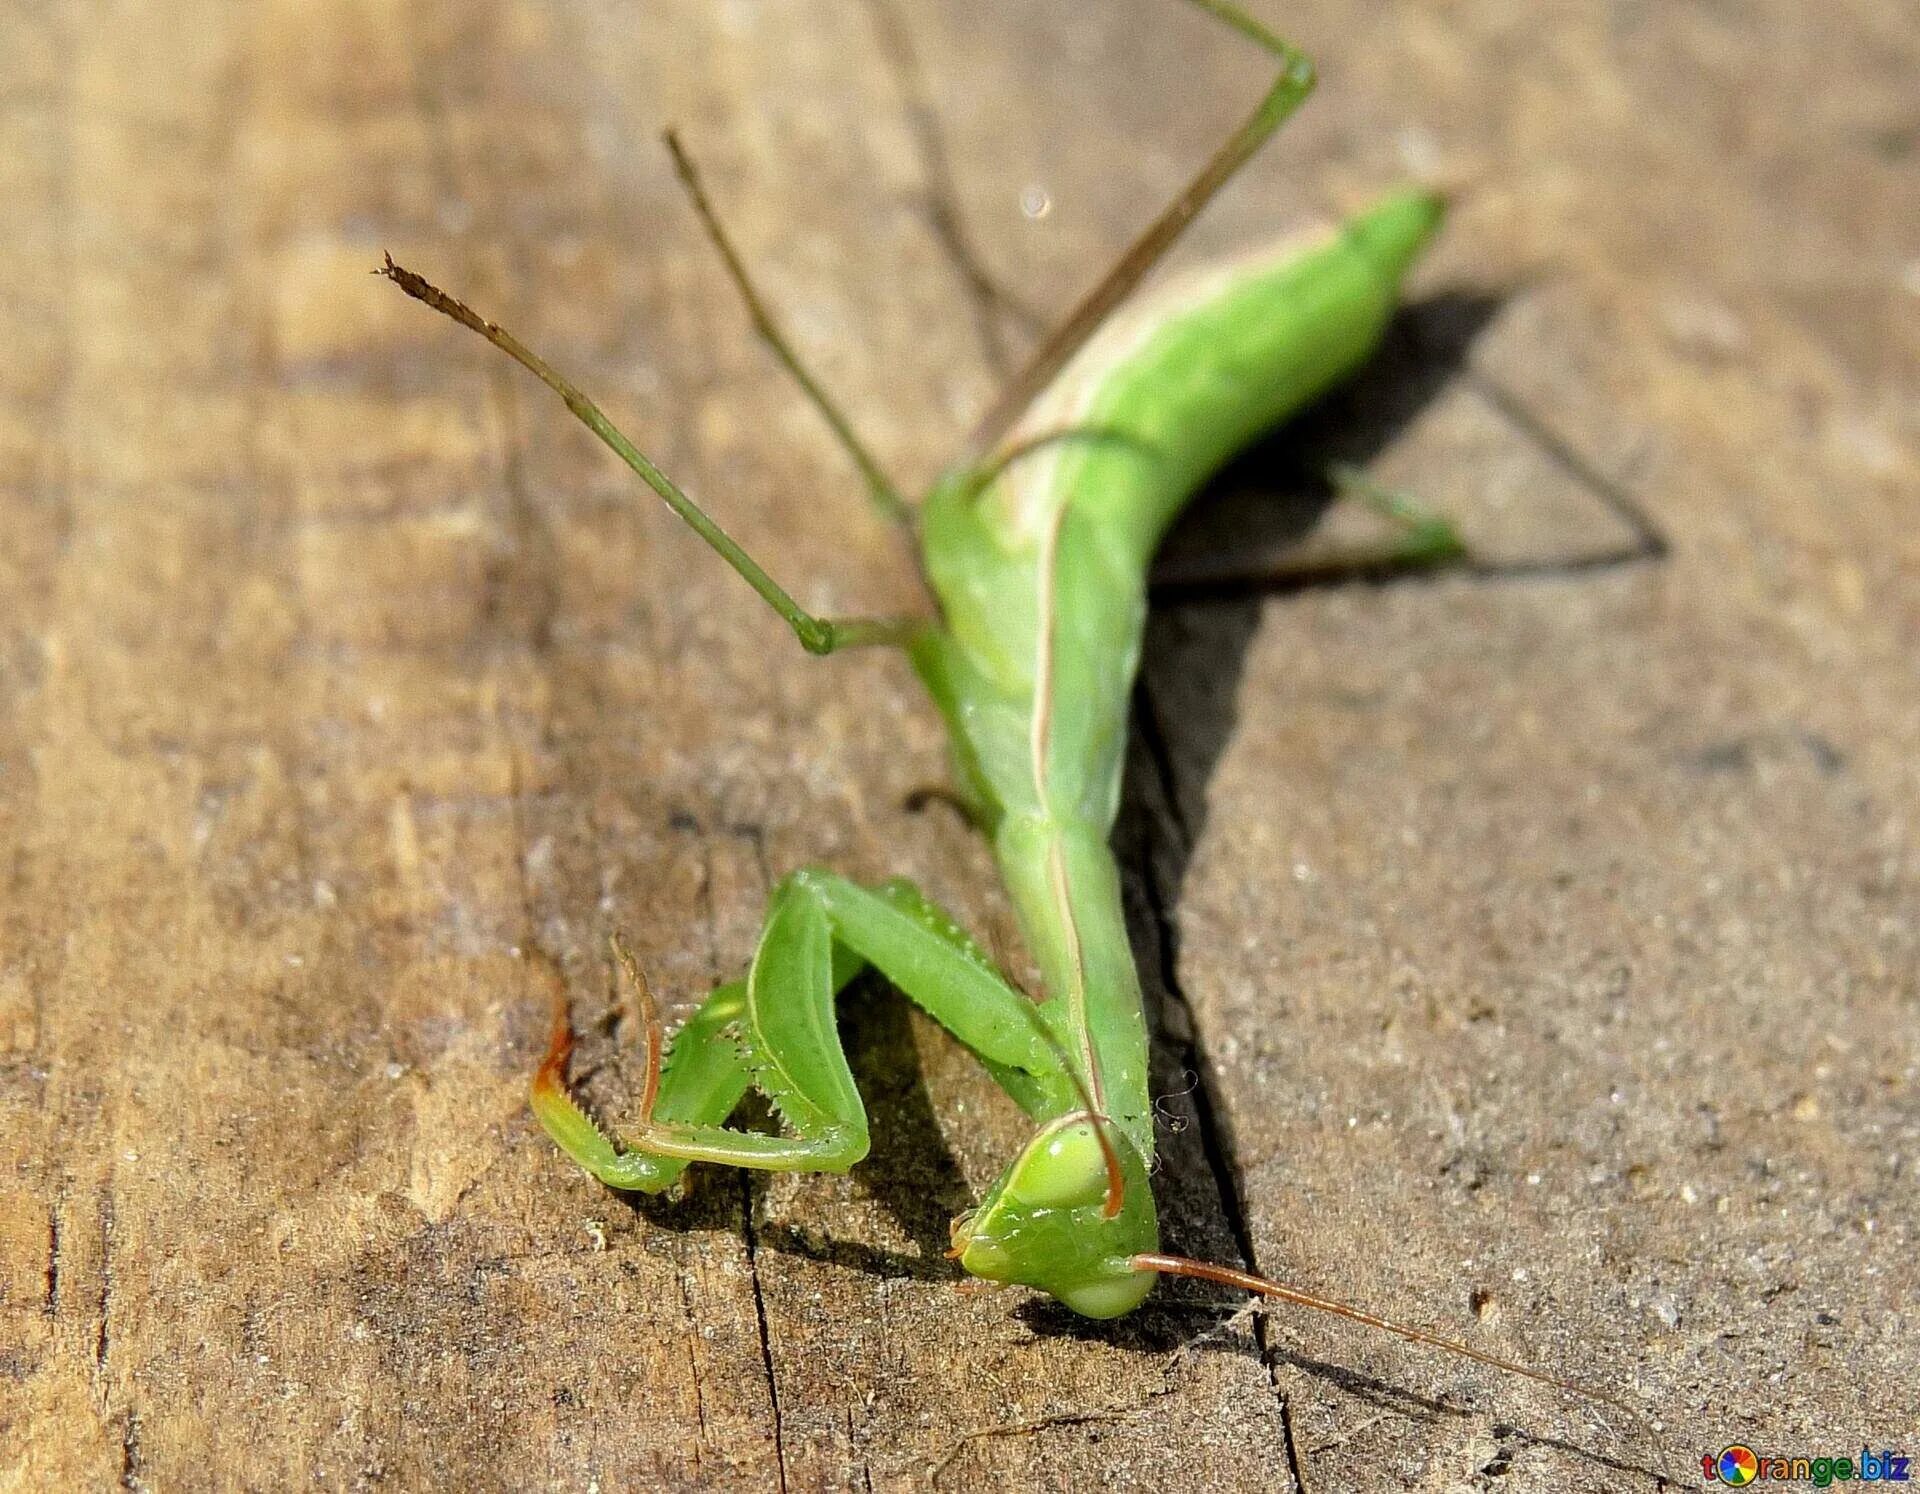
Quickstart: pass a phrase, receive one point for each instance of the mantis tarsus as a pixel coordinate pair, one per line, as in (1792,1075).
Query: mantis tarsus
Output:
(1035,547)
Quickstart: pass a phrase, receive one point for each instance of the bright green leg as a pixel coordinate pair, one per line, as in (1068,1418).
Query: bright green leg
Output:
(1429,538)
(818,635)
(703,1080)
(775,1031)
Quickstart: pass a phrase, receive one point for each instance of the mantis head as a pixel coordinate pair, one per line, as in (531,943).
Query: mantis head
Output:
(1067,1217)
(1073,1216)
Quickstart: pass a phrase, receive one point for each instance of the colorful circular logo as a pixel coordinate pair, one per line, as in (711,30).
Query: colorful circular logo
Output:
(1737,1466)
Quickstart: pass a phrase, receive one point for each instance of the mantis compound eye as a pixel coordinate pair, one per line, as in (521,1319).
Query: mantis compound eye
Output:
(1064,1167)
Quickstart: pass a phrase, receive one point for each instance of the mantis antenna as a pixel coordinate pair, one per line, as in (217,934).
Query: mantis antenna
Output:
(1247,1281)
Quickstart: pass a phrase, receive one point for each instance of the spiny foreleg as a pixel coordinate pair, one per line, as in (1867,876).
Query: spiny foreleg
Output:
(775,1031)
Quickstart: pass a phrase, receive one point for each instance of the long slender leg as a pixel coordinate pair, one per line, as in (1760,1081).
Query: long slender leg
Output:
(776,1032)
(818,635)
(1428,538)
(885,495)
(1424,539)
(1289,91)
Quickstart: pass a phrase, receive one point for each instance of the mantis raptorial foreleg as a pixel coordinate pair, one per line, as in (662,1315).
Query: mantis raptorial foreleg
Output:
(775,1031)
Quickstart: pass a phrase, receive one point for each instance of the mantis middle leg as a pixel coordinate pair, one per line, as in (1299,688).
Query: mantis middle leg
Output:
(818,635)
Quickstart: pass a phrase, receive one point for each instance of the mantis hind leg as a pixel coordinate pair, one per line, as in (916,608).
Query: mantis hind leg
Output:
(1287,93)
(1421,536)
(1427,537)
(775,1031)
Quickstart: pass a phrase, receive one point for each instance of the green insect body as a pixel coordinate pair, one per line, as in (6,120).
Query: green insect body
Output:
(1041,579)
(1036,550)
(1040,570)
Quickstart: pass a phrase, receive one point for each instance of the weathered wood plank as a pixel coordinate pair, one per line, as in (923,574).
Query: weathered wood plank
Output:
(1543,936)
(1589,1011)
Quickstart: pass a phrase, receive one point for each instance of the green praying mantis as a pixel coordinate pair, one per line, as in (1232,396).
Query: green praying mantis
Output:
(1035,547)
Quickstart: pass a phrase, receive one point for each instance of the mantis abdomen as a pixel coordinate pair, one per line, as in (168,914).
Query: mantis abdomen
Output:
(1041,574)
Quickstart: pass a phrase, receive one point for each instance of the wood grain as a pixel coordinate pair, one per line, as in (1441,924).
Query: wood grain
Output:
(1536,944)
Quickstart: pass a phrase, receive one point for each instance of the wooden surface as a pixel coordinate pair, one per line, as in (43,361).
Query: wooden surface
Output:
(1536,945)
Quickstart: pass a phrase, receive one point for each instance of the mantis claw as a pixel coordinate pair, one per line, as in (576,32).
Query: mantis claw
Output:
(550,1079)
(650,1020)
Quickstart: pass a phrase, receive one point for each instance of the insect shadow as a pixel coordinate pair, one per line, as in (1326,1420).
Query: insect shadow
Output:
(1268,500)
(1244,537)
(1273,495)
(1249,535)
(910,1171)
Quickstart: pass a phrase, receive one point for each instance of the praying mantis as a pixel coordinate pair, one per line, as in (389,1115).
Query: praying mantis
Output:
(1035,548)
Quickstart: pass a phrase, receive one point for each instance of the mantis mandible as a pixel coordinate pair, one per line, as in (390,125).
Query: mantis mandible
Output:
(1035,547)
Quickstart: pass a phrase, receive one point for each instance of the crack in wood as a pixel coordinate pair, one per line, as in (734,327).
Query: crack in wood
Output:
(50,1302)
(760,1317)
(1215,1143)
(1296,1460)
(103,1336)
(693,1371)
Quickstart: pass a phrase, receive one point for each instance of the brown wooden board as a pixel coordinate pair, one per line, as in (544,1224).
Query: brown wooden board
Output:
(1534,945)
